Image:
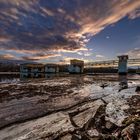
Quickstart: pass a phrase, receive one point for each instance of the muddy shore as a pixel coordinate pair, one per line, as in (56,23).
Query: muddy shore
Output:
(79,107)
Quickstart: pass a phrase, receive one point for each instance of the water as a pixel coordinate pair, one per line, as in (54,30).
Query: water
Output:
(14,78)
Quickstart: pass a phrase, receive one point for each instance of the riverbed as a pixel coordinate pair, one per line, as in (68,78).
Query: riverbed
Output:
(69,106)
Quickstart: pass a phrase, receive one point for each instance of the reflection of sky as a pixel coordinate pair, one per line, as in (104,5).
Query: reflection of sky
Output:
(59,30)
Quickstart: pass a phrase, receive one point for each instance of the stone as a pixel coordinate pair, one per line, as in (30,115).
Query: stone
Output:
(76,137)
(93,133)
(84,116)
(48,127)
(109,125)
(66,137)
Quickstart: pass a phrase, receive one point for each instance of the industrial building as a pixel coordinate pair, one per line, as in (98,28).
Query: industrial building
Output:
(51,68)
(76,66)
(31,68)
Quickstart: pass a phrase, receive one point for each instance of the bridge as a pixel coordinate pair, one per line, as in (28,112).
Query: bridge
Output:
(111,63)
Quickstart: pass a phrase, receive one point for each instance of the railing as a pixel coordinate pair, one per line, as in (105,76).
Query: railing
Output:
(112,63)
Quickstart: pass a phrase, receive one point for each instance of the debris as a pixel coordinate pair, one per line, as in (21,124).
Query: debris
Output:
(131,119)
(129,132)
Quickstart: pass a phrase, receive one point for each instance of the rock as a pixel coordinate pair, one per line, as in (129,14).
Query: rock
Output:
(76,137)
(109,125)
(115,111)
(129,132)
(93,133)
(84,116)
(48,127)
(137,89)
(66,137)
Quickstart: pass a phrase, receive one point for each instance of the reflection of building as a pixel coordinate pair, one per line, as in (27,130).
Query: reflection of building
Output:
(31,68)
(122,66)
(51,68)
(123,84)
(76,66)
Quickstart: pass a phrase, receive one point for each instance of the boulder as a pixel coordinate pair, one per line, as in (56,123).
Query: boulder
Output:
(87,114)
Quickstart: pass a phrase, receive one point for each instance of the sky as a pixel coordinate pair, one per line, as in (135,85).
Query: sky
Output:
(55,31)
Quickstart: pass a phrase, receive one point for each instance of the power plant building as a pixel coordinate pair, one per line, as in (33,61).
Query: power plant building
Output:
(51,68)
(76,66)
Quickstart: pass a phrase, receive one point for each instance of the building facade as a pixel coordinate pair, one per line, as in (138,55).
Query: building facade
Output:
(31,68)
(76,66)
(51,68)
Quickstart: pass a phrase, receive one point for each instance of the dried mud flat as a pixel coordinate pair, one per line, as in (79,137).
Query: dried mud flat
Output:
(70,108)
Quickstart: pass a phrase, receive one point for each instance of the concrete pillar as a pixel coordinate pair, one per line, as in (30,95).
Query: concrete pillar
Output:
(122,65)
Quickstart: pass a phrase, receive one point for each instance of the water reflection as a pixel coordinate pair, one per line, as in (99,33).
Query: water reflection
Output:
(123,82)
(122,79)
(28,76)
(31,75)
(9,78)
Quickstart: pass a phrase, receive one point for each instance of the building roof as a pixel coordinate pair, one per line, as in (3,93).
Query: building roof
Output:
(32,65)
(76,62)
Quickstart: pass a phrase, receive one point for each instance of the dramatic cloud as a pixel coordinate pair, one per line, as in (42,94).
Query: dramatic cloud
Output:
(134,14)
(57,25)
(39,57)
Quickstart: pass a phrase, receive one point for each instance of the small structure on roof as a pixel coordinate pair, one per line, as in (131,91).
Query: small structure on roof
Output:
(76,66)
(122,65)
(51,68)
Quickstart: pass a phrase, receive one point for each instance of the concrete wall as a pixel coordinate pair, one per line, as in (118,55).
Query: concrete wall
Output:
(49,69)
(75,69)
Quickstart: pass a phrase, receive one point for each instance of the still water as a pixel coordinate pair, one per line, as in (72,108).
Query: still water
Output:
(14,78)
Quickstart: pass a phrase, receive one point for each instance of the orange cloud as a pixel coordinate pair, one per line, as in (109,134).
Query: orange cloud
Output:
(7,56)
(40,57)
